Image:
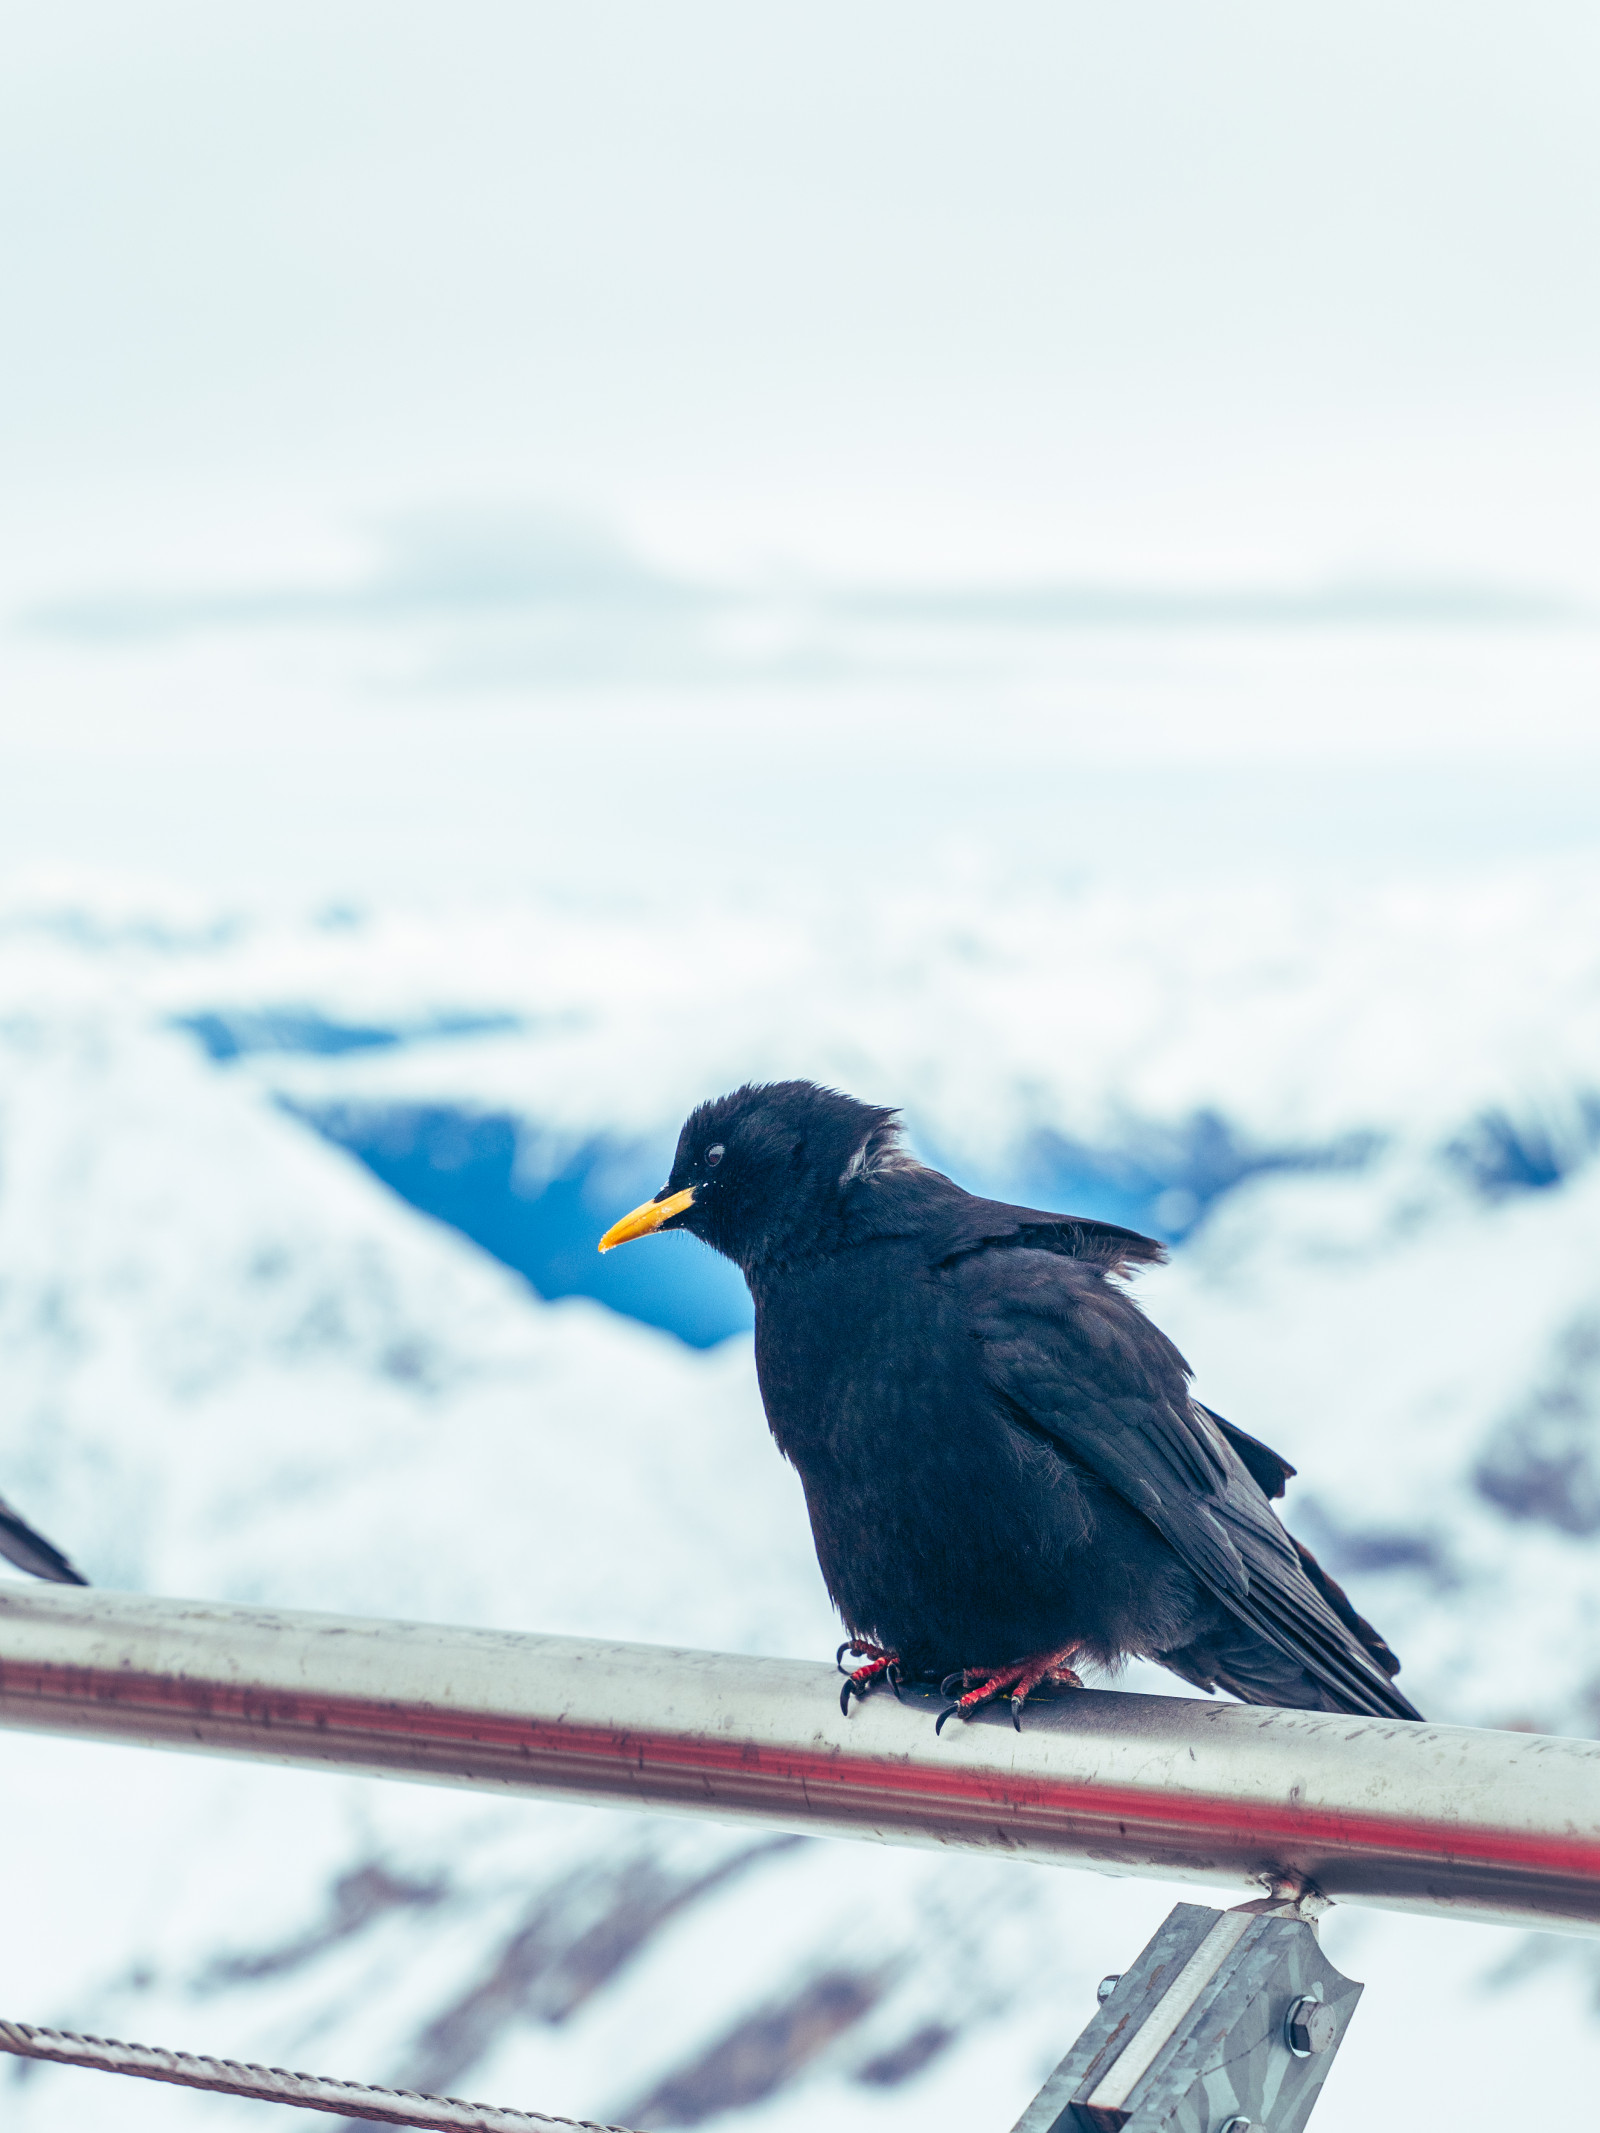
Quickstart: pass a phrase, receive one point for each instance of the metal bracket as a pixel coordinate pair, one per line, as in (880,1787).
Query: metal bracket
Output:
(1229,2021)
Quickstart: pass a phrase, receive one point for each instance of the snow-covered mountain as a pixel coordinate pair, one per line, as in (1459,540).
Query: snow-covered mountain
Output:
(235,1361)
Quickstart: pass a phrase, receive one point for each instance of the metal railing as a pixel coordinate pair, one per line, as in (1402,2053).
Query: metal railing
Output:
(1503,1827)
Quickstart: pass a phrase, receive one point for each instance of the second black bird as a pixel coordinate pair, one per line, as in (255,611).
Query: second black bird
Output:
(1005,1469)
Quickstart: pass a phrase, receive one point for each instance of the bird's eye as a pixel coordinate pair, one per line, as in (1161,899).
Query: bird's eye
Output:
(714,1155)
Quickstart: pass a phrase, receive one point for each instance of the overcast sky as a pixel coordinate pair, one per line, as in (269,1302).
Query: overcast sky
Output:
(1258,287)
(1255,294)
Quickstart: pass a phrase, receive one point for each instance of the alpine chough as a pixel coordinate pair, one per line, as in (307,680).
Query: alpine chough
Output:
(1005,1469)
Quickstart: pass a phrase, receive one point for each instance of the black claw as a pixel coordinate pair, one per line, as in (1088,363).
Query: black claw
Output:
(844,1697)
(891,1674)
(838,1657)
(1016,1712)
(954,1710)
(949,1679)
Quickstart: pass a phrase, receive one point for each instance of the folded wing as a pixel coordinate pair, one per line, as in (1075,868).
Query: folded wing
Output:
(1077,1364)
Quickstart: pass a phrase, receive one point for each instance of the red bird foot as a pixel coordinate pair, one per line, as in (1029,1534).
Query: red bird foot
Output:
(1021,1677)
(862,1680)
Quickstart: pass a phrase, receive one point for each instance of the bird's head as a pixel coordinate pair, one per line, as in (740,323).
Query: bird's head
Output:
(763,1175)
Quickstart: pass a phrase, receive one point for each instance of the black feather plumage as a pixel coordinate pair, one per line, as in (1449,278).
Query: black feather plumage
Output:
(1000,1453)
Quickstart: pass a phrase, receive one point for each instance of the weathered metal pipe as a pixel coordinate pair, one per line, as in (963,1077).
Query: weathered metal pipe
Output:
(1496,1826)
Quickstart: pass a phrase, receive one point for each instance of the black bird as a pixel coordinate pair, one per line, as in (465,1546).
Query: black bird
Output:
(30,1551)
(1004,1466)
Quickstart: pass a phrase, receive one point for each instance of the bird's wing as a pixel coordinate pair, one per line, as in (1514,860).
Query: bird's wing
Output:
(1270,1471)
(1077,1364)
(910,1200)
(972,1224)
(1339,1600)
(30,1551)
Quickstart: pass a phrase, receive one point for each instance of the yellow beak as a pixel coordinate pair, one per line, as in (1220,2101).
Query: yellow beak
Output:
(654,1214)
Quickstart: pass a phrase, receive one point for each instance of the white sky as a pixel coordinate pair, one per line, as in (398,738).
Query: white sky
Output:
(1255,294)
(1266,287)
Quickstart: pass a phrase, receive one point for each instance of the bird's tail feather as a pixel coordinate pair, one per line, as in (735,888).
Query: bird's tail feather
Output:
(1257,1669)
(1307,1633)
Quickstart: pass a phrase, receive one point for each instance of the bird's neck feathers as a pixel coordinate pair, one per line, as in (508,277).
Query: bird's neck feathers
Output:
(881,1151)
(826,1203)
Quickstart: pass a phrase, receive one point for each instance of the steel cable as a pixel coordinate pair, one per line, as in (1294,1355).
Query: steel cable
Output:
(273,2084)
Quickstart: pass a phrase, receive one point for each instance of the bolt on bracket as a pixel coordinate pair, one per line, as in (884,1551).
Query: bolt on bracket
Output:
(1228,2019)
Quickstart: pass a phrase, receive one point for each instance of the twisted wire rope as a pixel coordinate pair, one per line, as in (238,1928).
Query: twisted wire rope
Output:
(275,2084)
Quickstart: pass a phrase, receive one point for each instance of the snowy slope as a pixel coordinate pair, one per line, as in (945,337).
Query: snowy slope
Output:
(995,1006)
(235,1364)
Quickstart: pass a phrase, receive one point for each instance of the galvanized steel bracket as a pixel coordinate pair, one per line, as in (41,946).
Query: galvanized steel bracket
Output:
(1228,2020)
